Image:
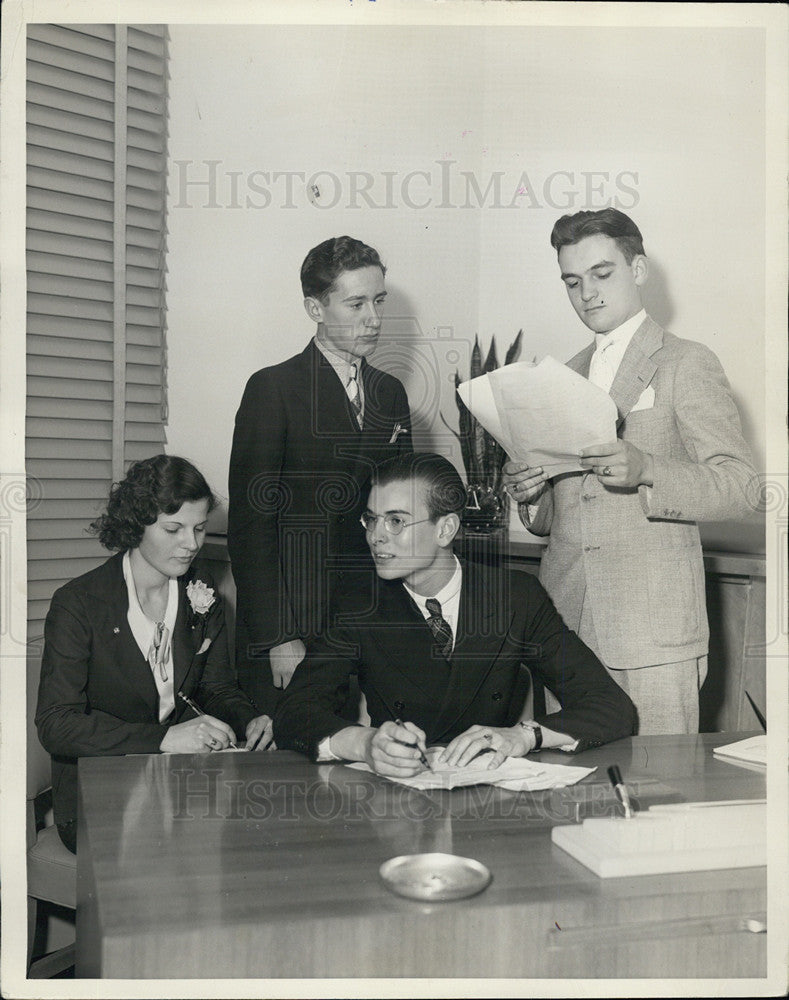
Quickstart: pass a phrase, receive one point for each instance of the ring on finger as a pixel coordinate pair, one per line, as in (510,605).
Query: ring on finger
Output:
(487,736)
(607,470)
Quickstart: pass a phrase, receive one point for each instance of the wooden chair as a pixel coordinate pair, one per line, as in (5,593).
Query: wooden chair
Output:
(51,868)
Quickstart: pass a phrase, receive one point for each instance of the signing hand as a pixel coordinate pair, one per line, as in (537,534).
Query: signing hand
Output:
(198,735)
(503,742)
(523,484)
(393,750)
(260,734)
(619,463)
(284,660)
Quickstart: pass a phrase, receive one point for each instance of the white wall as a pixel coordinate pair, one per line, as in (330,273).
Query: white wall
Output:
(673,117)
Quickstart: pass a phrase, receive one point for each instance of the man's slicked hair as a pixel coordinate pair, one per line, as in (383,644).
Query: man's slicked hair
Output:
(327,261)
(444,490)
(611,222)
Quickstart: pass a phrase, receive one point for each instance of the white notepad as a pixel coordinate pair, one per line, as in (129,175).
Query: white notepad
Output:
(689,836)
(752,750)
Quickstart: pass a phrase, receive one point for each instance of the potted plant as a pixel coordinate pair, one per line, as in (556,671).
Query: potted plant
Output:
(483,457)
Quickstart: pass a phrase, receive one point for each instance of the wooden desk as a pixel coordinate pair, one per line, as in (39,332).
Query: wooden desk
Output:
(265,865)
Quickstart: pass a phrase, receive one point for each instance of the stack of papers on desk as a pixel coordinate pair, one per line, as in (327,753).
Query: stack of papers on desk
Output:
(750,751)
(542,414)
(517,774)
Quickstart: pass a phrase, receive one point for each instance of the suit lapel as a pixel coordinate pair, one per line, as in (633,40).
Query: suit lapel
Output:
(183,642)
(325,396)
(580,363)
(637,368)
(482,628)
(131,662)
(404,639)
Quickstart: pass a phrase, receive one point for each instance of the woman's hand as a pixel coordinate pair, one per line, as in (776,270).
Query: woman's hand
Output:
(260,734)
(524,485)
(503,742)
(200,735)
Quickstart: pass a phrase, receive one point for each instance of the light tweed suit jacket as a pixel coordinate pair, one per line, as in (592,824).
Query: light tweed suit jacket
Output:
(635,552)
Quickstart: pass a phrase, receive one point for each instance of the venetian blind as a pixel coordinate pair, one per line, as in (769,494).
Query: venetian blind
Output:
(96,241)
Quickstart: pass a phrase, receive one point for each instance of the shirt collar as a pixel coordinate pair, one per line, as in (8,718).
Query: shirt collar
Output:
(621,335)
(447,592)
(341,365)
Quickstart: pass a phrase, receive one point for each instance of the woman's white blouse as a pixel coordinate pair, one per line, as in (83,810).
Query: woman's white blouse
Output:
(144,630)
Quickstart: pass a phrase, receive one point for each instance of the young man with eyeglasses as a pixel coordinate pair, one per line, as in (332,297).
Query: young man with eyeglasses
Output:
(439,656)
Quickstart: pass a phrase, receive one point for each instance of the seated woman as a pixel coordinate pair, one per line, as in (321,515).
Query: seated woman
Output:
(124,643)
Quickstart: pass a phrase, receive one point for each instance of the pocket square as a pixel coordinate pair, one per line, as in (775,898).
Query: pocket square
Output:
(646,400)
(398,430)
(204,647)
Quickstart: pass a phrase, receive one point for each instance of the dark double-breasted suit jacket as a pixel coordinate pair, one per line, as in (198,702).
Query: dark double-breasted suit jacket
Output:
(506,622)
(97,695)
(298,473)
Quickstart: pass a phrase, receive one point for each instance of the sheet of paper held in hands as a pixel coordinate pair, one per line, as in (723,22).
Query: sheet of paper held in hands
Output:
(517,774)
(543,414)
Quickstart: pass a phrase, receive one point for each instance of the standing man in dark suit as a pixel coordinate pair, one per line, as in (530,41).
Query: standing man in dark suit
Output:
(307,436)
(442,648)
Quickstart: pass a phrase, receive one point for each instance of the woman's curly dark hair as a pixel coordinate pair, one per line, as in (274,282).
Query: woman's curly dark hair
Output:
(154,486)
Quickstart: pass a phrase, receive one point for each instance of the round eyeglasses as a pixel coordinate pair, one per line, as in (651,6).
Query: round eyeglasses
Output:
(393,523)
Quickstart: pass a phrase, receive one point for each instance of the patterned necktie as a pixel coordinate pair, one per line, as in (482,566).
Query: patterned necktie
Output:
(440,627)
(352,388)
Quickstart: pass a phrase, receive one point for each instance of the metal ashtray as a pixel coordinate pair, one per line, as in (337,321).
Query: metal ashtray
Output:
(434,877)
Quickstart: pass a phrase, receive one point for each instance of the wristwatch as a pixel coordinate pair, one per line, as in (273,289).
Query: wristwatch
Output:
(536,732)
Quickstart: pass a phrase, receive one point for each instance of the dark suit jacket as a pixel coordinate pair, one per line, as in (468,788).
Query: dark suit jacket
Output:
(506,620)
(298,471)
(97,695)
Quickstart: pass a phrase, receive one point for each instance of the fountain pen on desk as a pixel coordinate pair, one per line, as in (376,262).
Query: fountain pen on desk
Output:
(615,776)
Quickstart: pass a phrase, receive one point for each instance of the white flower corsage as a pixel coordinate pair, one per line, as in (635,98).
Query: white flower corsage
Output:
(200,595)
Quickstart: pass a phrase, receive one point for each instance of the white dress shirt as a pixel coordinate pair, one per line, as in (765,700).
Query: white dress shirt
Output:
(610,349)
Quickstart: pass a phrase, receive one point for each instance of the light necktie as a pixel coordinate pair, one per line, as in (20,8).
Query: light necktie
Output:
(352,388)
(601,372)
(440,627)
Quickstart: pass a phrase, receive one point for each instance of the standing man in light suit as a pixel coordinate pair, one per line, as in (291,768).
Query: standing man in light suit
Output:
(623,562)
(308,433)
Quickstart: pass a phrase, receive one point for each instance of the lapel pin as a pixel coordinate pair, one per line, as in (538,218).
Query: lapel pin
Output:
(116,630)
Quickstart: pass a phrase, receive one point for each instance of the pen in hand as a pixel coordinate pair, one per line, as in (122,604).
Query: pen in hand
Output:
(422,757)
(199,711)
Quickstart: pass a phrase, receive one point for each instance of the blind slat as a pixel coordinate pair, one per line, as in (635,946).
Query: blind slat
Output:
(69,245)
(83,509)
(55,265)
(66,410)
(52,431)
(68,347)
(77,449)
(58,305)
(71,122)
(73,103)
(53,468)
(63,388)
